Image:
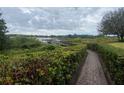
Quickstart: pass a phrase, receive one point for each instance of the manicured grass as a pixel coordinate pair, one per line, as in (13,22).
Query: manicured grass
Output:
(118,45)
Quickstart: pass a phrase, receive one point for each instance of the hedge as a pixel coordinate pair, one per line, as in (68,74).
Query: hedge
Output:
(41,67)
(113,59)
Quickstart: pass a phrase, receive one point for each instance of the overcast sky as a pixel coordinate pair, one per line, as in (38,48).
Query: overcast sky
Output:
(53,21)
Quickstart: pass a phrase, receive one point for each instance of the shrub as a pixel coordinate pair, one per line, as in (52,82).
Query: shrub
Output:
(41,67)
(113,59)
(24,42)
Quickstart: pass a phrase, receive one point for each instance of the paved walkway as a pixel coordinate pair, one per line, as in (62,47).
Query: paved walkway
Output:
(92,72)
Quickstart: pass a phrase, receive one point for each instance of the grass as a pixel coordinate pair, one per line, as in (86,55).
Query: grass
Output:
(118,45)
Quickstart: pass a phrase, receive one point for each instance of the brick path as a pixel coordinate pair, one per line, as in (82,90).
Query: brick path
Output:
(92,72)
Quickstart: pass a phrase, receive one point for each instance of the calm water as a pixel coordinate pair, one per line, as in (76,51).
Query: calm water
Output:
(48,39)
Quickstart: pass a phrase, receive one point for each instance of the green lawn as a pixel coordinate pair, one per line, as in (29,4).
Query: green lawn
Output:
(118,45)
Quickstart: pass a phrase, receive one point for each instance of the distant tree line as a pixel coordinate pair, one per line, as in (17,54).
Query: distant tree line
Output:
(53,36)
(113,24)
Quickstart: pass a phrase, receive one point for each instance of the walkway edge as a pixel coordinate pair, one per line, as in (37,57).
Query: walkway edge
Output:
(106,72)
(78,71)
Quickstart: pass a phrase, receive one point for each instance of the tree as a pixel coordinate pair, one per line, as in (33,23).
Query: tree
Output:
(113,24)
(3,30)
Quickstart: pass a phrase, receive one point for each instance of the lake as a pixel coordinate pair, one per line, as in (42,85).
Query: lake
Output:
(49,40)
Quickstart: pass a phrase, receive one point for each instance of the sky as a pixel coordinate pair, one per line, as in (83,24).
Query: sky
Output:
(53,20)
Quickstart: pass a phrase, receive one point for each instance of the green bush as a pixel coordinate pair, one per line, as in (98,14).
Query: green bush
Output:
(24,42)
(49,47)
(41,67)
(113,58)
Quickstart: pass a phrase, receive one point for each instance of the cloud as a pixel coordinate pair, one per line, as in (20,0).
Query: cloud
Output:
(53,21)
(25,10)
